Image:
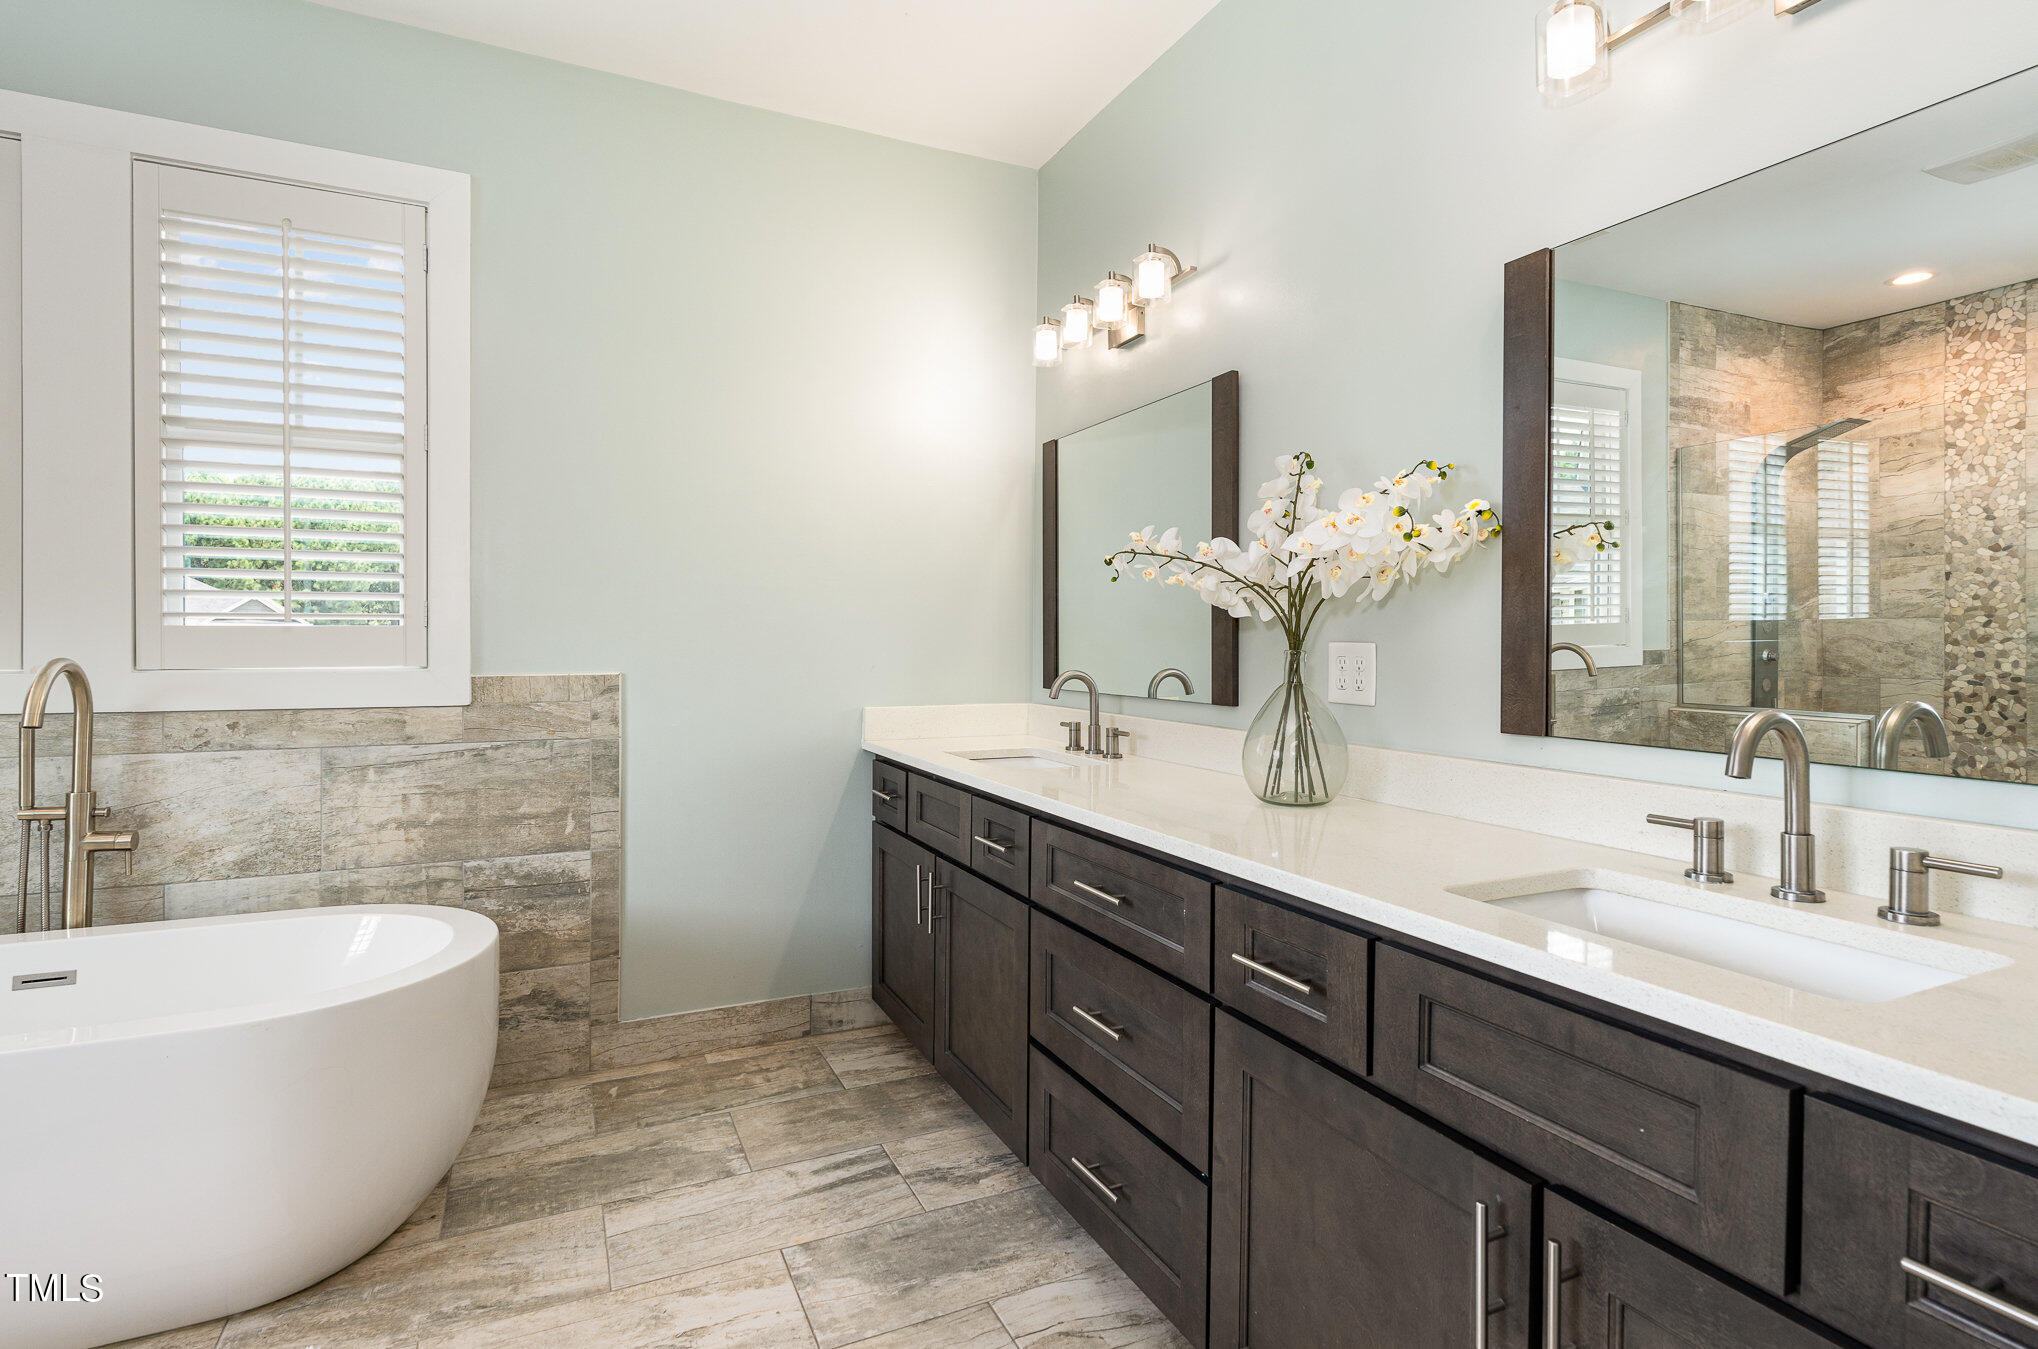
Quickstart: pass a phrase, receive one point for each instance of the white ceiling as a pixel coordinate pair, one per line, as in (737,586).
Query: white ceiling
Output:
(1814,241)
(1010,80)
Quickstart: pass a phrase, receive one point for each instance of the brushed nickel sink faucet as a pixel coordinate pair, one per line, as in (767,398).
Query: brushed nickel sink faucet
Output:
(1153,686)
(81,841)
(1075,745)
(1798,862)
(1883,740)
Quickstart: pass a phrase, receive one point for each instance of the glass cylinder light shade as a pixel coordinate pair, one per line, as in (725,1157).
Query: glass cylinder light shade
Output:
(1706,15)
(1114,301)
(1153,278)
(1571,51)
(1076,326)
(1047,342)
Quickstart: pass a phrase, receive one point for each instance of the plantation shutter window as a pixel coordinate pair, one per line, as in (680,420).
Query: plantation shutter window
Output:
(1758,564)
(1590,599)
(1843,529)
(279,425)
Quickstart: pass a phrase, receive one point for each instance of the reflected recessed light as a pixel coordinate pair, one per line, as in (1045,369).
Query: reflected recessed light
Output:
(1910,278)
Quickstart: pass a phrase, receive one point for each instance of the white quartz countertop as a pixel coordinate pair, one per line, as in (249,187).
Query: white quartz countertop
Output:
(1967,1049)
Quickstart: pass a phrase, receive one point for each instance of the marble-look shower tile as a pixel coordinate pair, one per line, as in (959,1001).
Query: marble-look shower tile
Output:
(702,1086)
(112,733)
(605,830)
(393,1297)
(1913,525)
(435,884)
(605,904)
(617,1043)
(972,1328)
(211,816)
(953,1166)
(519,1118)
(916,1268)
(882,1113)
(601,1168)
(525,688)
(1692,340)
(1910,587)
(115,905)
(880,1056)
(758,1211)
(1099,1308)
(745,1304)
(1910,464)
(1884,648)
(543,1015)
(308,728)
(606,770)
(431,803)
(541,905)
(535,1071)
(604,694)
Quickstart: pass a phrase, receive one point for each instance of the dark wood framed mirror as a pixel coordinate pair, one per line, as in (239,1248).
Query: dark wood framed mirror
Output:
(1768,447)
(1172,462)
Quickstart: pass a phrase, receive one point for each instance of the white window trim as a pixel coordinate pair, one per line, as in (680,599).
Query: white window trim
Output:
(78,533)
(1629,650)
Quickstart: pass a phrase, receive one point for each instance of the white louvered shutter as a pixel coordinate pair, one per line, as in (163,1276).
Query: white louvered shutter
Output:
(1843,529)
(1758,569)
(279,425)
(1588,466)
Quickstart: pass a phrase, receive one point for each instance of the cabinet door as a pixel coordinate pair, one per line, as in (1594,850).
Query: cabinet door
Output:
(980,942)
(901,947)
(1338,1219)
(1616,1289)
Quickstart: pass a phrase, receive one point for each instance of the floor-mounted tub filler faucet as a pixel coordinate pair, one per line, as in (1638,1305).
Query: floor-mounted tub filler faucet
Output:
(1797,867)
(1096,745)
(82,842)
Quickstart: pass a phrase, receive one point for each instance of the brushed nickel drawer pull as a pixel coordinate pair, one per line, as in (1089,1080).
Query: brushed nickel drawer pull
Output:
(1102,1026)
(1270,972)
(1094,893)
(1104,1187)
(883,795)
(1553,1289)
(919,897)
(1479,1312)
(932,886)
(1970,1292)
(994,846)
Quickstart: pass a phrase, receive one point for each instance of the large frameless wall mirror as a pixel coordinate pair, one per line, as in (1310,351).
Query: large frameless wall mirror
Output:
(1172,462)
(1783,457)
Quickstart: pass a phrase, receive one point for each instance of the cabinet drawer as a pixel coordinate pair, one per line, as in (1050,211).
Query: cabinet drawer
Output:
(1691,1149)
(1876,1195)
(1000,838)
(1147,1211)
(1617,1289)
(1137,1038)
(888,794)
(1306,979)
(1142,906)
(938,815)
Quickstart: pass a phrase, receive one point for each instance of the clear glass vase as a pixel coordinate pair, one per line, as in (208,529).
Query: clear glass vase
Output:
(1294,749)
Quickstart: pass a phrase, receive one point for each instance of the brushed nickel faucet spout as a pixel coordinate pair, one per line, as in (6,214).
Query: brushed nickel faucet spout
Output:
(1096,720)
(82,842)
(1888,734)
(1153,686)
(1797,870)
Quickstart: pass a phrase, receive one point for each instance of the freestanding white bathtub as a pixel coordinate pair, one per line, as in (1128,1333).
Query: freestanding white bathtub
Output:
(220,1111)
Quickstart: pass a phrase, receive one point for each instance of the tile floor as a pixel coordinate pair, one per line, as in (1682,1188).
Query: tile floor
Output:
(823,1192)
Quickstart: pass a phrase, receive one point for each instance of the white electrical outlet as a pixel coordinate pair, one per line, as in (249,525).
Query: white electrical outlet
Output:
(1351,673)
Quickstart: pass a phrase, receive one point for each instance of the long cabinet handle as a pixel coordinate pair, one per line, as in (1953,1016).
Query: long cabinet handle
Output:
(883,795)
(1103,1027)
(1970,1292)
(1479,1276)
(932,886)
(1094,893)
(1553,1289)
(1104,1187)
(1270,972)
(996,847)
(919,895)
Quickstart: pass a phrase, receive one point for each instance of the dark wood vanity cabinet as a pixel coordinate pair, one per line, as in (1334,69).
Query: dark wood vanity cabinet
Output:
(1337,1218)
(980,956)
(1302,977)
(1615,1288)
(901,941)
(938,816)
(1903,1231)
(1156,912)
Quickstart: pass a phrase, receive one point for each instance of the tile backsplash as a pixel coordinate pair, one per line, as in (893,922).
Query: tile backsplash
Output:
(511,807)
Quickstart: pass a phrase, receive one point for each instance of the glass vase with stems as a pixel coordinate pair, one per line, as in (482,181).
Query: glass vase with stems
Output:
(1302,556)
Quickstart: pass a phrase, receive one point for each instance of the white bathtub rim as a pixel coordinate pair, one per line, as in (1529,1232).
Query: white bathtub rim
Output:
(475,937)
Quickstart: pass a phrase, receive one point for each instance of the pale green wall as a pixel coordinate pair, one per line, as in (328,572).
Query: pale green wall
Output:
(751,400)
(1353,177)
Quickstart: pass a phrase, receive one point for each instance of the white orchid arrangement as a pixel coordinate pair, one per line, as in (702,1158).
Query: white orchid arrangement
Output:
(1303,555)
(1582,542)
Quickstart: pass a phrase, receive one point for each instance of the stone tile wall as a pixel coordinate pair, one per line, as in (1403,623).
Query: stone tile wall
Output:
(511,807)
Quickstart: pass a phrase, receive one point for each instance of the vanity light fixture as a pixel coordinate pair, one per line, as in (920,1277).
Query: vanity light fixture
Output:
(1077,327)
(1114,300)
(1573,40)
(1911,278)
(1047,342)
(1155,273)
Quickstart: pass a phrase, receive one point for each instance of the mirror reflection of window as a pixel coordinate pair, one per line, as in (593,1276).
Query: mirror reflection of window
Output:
(1595,600)
(1843,529)
(1758,552)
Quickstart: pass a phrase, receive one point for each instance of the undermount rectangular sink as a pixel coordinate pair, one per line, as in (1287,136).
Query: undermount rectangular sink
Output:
(1016,758)
(1794,959)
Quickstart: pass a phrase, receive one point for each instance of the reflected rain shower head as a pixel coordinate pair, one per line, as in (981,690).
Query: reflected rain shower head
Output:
(1830,431)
